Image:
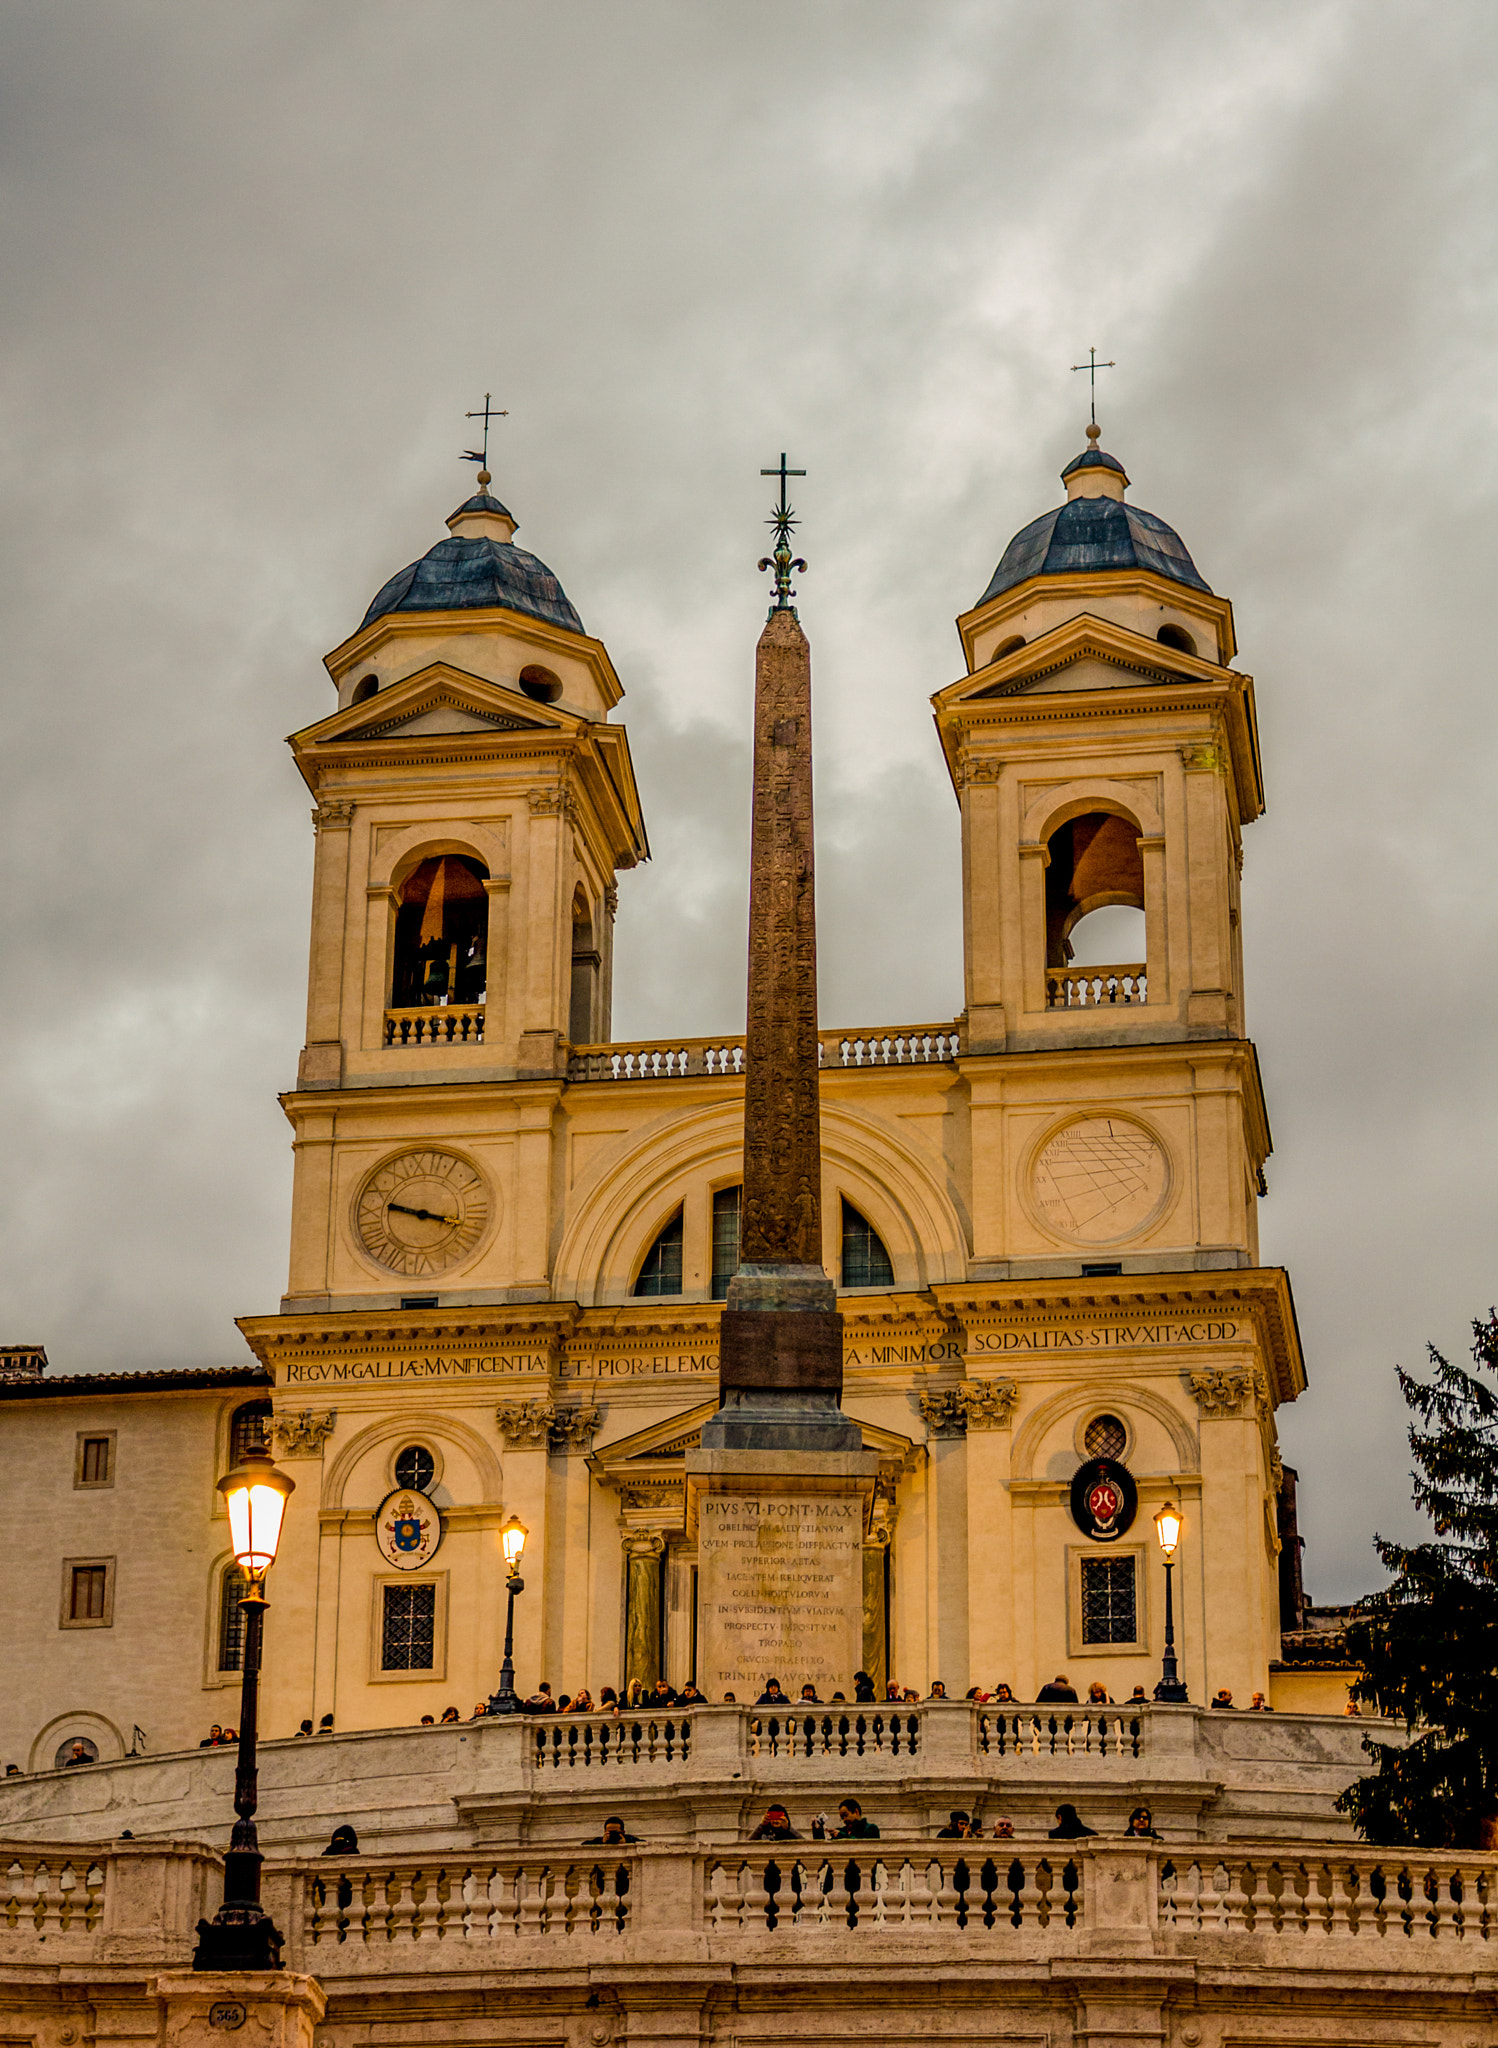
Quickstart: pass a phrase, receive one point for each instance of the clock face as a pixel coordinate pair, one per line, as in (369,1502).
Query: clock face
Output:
(422,1212)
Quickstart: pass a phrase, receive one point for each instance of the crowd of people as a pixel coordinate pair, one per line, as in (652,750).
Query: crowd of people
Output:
(662,1697)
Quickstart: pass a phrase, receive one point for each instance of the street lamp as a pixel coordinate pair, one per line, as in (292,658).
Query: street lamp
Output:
(1170,1690)
(241,1935)
(512,1543)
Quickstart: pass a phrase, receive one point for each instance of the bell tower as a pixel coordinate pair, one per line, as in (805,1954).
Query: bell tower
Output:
(1105,755)
(473,804)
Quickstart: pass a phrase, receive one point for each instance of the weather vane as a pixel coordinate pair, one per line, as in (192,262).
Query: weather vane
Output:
(481,456)
(784,523)
(1092,366)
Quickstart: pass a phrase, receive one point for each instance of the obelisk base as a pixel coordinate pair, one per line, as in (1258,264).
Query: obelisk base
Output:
(779,1567)
(780,1365)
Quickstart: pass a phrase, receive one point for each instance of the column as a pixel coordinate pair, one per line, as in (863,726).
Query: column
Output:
(643,1551)
(322,1058)
(989,1405)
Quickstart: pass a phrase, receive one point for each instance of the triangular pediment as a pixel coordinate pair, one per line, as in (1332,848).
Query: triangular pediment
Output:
(439,699)
(672,1439)
(1082,653)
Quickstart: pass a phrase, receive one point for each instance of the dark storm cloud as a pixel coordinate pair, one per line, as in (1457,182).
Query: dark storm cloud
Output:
(259,261)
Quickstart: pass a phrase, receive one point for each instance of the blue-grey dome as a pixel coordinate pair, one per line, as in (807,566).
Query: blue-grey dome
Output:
(475,570)
(1090,534)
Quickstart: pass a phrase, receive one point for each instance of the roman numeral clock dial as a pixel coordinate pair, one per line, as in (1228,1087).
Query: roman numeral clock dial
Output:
(422,1212)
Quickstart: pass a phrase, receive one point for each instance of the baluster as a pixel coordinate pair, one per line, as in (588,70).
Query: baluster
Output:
(531,1886)
(1170,1889)
(1318,1914)
(1236,1905)
(1443,1889)
(1189,1898)
(759,1902)
(1032,1903)
(1341,1882)
(920,1901)
(946,1899)
(1262,1901)
(877,1906)
(379,1899)
(718,1901)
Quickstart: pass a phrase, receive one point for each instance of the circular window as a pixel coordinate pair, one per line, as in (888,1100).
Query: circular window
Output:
(1105,1437)
(540,683)
(415,1467)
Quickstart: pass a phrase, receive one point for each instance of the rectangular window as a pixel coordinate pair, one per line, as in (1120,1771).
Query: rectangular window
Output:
(408,1628)
(93,1459)
(727,1204)
(87,1592)
(1109,1609)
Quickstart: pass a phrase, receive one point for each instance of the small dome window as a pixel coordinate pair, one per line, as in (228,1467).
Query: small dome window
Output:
(541,684)
(1176,637)
(1010,646)
(415,1467)
(364,688)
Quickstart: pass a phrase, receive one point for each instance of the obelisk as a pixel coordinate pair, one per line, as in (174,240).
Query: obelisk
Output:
(781,1487)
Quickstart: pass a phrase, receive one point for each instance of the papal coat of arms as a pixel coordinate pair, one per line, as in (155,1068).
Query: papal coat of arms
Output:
(1104,1499)
(408,1529)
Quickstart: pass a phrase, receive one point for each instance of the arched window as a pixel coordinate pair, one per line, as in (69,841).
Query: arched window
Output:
(582,1025)
(231,1619)
(364,689)
(661,1272)
(1095,861)
(1010,646)
(441,934)
(68,1752)
(249,1429)
(866,1263)
(1176,637)
(728,1205)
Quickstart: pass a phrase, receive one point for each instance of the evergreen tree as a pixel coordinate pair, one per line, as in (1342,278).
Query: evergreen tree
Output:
(1428,1644)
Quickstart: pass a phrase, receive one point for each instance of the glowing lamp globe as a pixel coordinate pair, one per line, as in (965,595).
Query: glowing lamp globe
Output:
(1168,1528)
(512,1541)
(255,1494)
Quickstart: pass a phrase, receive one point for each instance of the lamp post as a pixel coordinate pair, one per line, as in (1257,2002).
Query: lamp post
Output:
(241,1935)
(512,1541)
(1170,1690)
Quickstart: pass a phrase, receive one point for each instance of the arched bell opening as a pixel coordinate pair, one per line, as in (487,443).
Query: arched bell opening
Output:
(441,934)
(587,961)
(1095,866)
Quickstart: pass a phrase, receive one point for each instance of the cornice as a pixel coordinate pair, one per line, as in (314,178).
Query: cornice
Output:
(1083,584)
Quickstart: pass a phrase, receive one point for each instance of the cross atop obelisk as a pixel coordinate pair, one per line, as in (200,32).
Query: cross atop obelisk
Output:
(780,1353)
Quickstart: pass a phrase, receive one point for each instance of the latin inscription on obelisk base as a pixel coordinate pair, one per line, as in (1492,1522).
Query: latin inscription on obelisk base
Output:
(780,1590)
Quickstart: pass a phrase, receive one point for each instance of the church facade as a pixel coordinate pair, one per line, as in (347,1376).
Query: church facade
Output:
(512,1235)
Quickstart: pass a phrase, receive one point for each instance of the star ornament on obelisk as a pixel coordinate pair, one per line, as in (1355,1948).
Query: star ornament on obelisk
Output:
(780,1364)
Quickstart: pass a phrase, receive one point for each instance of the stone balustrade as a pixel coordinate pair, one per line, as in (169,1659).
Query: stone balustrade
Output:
(1092,988)
(708,1772)
(1248,1905)
(905,1045)
(436,1024)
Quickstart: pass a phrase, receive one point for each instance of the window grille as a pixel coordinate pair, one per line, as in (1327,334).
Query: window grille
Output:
(1105,1437)
(249,1430)
(232,1619)
(727,1206)
(1109,1607)
(408,1633)
(415,1467)
(86,1598)
(95,1468)
(661,1272)
(866,1263)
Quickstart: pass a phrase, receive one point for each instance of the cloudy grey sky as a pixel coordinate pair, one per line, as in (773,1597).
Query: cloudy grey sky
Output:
(258,262)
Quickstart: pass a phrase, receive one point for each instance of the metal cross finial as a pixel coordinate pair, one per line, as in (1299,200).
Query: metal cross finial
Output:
(1092,366)
(481,457)
(784,523)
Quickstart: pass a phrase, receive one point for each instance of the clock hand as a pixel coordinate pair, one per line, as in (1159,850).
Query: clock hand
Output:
(426,1215)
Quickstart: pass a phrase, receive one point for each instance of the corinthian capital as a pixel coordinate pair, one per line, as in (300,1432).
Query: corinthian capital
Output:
(1220,1390)
(988,1404)
(300,1433)
(526,1423)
